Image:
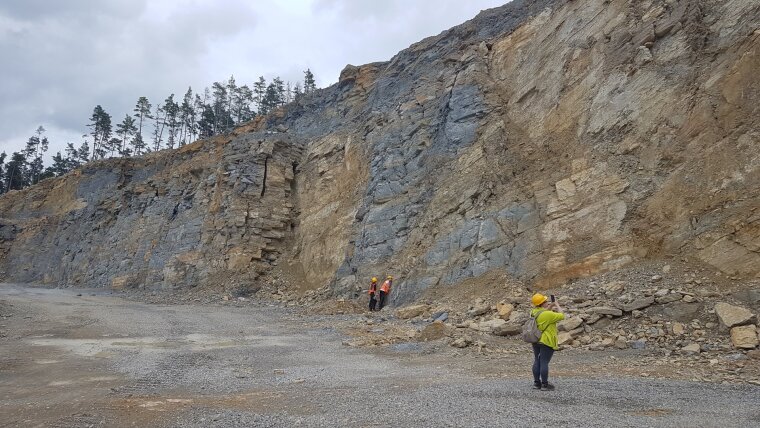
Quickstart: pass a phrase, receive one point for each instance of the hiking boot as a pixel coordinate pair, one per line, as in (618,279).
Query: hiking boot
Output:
(536,385)
(547,387)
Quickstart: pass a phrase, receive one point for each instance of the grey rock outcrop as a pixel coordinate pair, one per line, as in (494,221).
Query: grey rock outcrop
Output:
(545,139)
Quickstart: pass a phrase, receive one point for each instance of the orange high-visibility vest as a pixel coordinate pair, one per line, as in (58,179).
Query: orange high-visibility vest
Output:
(372,287)
(386,287)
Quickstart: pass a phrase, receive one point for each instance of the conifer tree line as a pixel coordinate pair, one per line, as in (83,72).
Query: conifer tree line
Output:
(165,125)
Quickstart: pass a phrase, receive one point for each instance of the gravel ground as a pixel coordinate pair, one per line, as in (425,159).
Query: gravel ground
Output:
(99,360)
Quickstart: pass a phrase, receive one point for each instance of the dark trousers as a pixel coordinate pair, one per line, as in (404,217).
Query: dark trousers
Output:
(372,302)
(382,300)
(542,355)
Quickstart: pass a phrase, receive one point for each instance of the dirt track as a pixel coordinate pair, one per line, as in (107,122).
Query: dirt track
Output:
(99,360)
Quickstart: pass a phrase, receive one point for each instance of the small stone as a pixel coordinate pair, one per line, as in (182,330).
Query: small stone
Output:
(691,349)
(621,344)
(666,269)
(670,298)
(639,344)
(441,316)
(656,278)
(689,299)
(461,342)
(662,292)
(637,314)
(478,309)
(504,310)
(744,337)
(615,287)
(678,329)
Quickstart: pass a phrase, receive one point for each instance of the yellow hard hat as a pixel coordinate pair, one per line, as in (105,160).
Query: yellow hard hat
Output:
(538,299)
(374,279)
(389,277)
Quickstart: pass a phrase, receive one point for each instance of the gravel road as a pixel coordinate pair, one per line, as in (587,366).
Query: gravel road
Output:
(99,360)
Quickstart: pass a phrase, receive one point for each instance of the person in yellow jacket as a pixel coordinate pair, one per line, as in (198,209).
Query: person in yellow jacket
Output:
(547,315)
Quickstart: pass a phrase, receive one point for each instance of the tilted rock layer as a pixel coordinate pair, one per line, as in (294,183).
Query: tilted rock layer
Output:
(547,139)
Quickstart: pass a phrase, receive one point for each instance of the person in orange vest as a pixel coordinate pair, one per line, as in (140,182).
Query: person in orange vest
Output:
(372,291)
(385,290)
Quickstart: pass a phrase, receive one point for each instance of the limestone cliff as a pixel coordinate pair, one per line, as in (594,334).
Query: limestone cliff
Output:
(546,139)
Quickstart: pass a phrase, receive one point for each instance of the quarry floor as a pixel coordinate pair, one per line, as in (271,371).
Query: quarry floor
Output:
(76,358)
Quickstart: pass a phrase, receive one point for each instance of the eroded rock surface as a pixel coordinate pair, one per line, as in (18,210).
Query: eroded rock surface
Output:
(547,139)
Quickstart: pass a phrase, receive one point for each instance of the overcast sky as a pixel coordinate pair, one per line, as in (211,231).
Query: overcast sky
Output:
(60,58)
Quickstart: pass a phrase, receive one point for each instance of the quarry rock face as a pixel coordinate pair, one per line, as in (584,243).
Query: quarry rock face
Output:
(546,139)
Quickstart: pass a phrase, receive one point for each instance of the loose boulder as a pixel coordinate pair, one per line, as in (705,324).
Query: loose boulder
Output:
(411,311)
(570,323)
(744,337)
(732,316)
(508,329)
(638,304)
(605,310)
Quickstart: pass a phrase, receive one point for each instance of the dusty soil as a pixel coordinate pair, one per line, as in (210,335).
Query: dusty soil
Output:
(71,358)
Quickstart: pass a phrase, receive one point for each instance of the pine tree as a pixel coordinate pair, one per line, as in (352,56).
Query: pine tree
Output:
(243,97)
(199,106)
(59,167)
(158,128)
(187,117)
(309,84)
(126,130)
(72,157)
(259,91)
(2,172)
(206,122)
(83,154)
(171,119)
(280,87)
(232,90)
(15,172)
(36,147)
(100,125)
(142,113)
(288,93)
(220,107)
(297,92)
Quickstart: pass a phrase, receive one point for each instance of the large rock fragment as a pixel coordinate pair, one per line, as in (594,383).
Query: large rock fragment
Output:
(605,310)
(412,311)
(488,326)
(638,304)
(731,316)
(433,331)
(508,329)
(570,323)
(744,337)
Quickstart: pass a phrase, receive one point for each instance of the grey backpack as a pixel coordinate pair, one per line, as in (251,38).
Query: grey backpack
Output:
(530,331)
